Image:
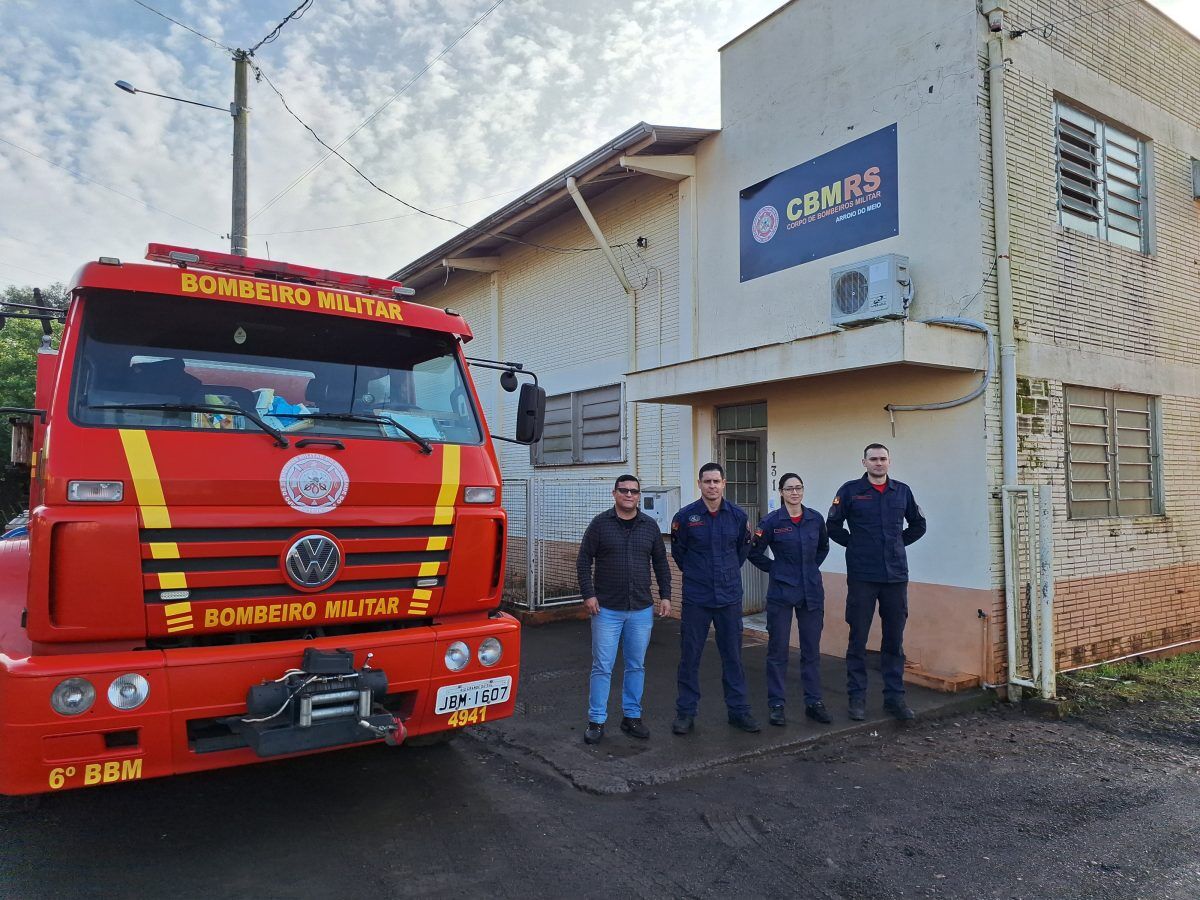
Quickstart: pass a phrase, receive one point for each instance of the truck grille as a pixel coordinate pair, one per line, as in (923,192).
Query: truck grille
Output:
(233,563)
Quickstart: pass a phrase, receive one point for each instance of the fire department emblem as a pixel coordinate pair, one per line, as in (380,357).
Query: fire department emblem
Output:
(766,223)
(314,484)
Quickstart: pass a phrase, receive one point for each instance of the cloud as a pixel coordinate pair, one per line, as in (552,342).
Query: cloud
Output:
(536,85)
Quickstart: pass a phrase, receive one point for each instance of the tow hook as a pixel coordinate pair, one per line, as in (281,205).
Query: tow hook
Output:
(393,734)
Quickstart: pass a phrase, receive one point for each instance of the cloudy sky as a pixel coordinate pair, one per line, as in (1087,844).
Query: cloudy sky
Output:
(531,85)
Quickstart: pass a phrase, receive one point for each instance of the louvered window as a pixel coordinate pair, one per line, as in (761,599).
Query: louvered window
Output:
(1101,179)
(1112,454)
(582,427)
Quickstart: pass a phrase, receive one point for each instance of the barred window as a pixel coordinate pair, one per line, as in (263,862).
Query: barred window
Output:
(1101,179)
(1112,454)
(582,427)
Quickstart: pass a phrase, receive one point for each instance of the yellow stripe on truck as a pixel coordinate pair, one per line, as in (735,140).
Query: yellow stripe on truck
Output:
(152,505)
(443,514)
(146,483)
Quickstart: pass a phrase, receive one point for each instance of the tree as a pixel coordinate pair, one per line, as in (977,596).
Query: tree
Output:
(19,342)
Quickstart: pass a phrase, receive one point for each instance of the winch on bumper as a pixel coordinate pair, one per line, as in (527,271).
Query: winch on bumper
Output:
(325,703)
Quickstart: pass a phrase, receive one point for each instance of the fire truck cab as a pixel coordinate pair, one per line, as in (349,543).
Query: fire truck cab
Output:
(264,520)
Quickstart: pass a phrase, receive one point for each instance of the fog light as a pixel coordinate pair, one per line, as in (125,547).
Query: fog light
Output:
(458,655)
(479,495)
(95,491)
(128,691)
(73,696)
(490,651)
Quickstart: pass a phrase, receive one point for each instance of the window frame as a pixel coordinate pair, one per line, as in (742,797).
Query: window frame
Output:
(581,455)
(1095,193)
(1110,505)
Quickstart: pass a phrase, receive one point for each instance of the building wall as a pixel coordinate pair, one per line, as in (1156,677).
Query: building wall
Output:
(1096,314)
(810,78)
(565,315)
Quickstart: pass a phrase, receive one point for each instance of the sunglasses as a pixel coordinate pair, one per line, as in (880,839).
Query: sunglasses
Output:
(628,492)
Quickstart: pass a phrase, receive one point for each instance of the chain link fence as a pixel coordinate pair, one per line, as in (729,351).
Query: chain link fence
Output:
(546,521)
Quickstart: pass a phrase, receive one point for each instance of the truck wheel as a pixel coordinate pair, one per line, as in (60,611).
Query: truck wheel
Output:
(432,740)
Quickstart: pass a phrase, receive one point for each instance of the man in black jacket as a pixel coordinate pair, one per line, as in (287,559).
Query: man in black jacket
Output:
(623,543)
(868,518)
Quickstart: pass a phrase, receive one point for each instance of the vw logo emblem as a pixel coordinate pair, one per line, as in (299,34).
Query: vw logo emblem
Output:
(312,561)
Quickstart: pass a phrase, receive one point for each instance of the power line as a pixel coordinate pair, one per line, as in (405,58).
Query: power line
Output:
(424,212)
(296,13)
(83,177)
(184,27)
(1047,28)
(387,219)
(365,122)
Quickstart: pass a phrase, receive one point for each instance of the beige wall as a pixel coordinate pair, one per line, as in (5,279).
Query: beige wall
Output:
(1095,314)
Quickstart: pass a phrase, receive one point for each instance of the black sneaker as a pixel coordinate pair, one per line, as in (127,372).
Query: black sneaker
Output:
(856,709)
(595,731)
(776,716)
(898,709)
(683,724)
(745,721)
(634,728)
(818,712)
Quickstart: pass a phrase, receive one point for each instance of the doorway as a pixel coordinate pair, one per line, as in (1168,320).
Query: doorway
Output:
(742,441)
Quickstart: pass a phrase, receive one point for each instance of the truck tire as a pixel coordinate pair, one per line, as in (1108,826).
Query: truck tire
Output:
(433,739)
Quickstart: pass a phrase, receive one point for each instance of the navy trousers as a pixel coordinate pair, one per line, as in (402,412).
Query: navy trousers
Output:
(809,623)
(861,597)
(693,633)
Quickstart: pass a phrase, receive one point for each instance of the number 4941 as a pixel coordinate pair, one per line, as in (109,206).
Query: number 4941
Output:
(468,716)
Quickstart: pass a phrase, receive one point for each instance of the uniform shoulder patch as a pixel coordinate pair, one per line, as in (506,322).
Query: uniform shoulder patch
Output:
(837,499)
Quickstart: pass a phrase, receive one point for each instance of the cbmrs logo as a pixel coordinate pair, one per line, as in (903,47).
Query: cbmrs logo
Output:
(766,223)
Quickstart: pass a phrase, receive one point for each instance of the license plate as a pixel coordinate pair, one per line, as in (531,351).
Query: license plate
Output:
(472,694)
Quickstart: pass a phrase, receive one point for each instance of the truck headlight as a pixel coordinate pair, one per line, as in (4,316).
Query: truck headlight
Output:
(128,691)
(458,655)
(73,696)
(490,651)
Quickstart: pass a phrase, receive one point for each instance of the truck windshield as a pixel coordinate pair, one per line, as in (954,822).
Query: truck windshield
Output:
(299,372)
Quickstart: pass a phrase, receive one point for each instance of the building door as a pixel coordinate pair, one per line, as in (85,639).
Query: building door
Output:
(742,438)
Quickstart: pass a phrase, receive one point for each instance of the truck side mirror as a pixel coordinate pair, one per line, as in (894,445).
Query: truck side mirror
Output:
(531,413)
(21,452)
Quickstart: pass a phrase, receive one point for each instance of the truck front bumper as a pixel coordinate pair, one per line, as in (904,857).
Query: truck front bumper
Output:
(194,694)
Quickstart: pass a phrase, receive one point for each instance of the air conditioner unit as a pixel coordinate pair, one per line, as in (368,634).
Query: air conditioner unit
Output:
(870,290)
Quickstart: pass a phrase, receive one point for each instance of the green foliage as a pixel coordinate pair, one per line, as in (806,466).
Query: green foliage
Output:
(1172,680)
(19,341)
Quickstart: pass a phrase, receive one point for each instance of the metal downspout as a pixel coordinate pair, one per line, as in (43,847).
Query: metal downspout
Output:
(631,314)
(1000,213)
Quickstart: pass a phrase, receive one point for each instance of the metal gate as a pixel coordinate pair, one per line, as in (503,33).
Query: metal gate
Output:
(546,521)
(1029,588)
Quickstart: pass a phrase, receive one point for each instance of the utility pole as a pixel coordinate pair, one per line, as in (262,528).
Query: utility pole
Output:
(241,115)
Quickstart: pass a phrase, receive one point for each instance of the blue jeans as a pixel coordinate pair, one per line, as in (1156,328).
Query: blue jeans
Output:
(631,630)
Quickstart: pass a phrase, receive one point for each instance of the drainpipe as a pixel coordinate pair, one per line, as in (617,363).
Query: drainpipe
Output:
(631,311)
(1008,342)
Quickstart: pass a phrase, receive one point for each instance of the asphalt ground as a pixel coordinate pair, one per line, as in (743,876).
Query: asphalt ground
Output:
(960,804)
(552,710)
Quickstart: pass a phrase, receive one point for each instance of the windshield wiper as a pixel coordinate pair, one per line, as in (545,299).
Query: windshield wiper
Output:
(425,446)
(280,440)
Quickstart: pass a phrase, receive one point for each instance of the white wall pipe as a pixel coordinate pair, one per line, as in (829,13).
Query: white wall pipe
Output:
(1000,216)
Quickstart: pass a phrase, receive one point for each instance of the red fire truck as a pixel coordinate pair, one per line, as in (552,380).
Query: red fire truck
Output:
(264,520)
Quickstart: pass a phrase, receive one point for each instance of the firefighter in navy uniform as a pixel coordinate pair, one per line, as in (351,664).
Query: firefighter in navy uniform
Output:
(799,544)
(710,539)
(868,518)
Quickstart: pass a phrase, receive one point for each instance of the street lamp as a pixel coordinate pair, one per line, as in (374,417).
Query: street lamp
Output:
(238,110)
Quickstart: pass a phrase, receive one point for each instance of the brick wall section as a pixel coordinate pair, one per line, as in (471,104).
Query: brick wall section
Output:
(1122,584)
